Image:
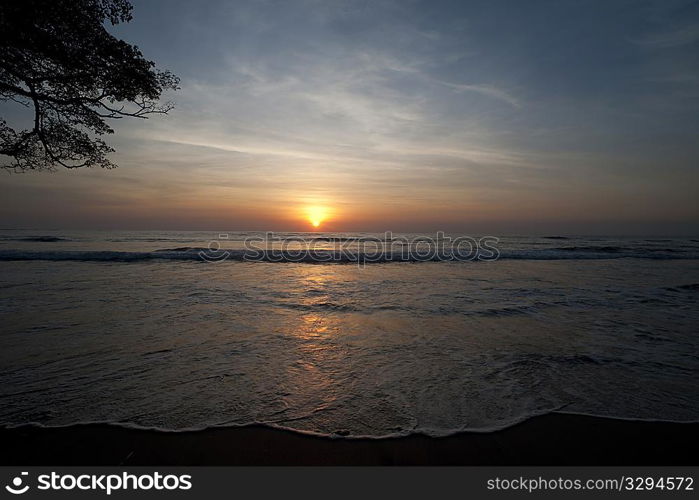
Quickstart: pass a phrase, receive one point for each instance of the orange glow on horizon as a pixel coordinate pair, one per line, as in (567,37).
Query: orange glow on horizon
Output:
(316,215)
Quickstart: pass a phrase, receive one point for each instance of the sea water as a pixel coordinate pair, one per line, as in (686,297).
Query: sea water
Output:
(142,329)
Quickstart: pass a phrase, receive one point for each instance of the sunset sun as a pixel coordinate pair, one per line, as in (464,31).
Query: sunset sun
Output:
(316,215)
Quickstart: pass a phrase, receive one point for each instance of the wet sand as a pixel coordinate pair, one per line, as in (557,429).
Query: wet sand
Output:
(555,439)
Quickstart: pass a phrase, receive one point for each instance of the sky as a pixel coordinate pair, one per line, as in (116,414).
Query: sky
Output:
(488,117)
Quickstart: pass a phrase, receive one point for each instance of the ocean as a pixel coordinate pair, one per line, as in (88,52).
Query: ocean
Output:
(364,335)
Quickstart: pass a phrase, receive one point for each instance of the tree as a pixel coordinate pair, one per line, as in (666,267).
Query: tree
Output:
(58,60)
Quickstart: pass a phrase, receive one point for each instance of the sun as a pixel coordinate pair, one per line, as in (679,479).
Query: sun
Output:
(316,215)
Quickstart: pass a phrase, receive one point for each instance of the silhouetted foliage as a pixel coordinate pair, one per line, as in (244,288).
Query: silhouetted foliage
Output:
(58,60)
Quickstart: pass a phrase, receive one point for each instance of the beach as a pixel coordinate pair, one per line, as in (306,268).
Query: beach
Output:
(554,439)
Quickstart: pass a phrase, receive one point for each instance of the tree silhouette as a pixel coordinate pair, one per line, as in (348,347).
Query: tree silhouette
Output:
(58,60)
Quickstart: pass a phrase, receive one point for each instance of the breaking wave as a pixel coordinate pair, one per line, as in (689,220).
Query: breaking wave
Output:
(39,239)
(345,257)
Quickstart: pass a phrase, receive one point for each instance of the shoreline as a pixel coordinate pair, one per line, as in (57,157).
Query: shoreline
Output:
(551,439)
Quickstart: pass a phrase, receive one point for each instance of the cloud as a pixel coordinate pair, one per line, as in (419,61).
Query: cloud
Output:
(486,90)
(412,106)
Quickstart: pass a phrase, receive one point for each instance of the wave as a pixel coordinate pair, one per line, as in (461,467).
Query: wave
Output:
(614,249)
(41,239)
(693,287)
(347,239)
(561,410)
(145,240)
(340,434)
(342,257)
(183,249)
(334,239)
(593,248)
